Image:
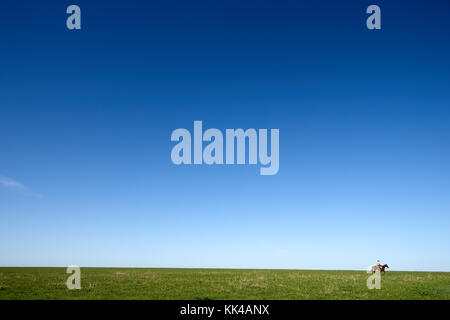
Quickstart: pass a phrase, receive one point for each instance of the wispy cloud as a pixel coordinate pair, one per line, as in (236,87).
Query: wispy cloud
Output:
(16,185)
(10,183)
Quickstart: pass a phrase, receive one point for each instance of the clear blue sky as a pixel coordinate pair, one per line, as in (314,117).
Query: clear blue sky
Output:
(364,116)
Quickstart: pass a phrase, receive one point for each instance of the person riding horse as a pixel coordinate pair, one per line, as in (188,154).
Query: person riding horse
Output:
(379,267)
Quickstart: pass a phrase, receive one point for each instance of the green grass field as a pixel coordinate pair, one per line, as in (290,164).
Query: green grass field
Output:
(115,283)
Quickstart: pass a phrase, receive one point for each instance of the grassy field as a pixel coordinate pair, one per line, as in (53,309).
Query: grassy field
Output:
(115,283)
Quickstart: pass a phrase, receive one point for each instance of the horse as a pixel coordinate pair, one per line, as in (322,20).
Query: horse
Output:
(384,266)
(380,267)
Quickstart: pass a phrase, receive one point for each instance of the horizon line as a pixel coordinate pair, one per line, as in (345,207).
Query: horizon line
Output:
(217,268)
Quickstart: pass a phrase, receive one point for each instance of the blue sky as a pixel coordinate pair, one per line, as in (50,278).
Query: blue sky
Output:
(86,117)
